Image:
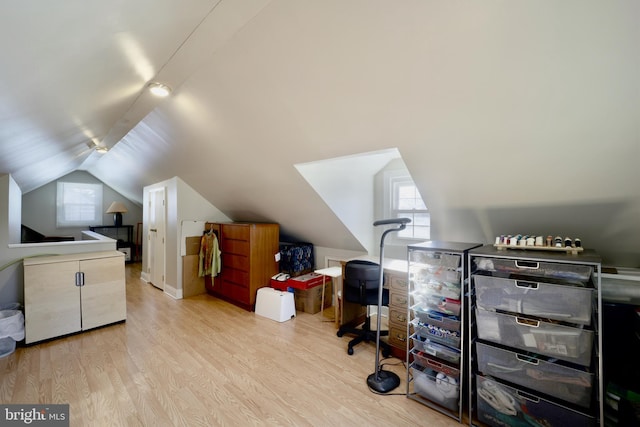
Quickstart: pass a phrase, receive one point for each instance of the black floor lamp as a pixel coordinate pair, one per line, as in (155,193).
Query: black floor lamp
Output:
(384,381)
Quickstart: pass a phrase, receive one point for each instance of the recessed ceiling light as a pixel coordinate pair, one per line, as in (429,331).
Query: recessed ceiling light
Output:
(102,150)
(159,89)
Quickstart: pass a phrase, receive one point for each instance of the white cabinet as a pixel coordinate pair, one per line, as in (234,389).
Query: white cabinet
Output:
(69,293)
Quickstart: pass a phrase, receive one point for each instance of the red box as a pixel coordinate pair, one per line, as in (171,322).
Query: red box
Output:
(306,281)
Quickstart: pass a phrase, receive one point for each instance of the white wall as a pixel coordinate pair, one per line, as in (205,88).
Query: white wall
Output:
(182,203)
(12,252)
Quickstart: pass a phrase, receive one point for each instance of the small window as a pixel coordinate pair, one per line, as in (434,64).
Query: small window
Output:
(406,202)
(78,204)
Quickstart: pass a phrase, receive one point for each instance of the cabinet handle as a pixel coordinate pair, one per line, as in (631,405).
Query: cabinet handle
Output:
(79,278)
(528,322)
(528,360)
(527,396)
(526,285)
(531,265)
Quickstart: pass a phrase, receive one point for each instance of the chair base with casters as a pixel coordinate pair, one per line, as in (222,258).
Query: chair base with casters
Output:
(361,286)
(364,334)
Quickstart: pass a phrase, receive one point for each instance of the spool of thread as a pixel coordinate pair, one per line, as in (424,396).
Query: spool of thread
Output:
(557,242)
(567,242)
(578,243)
(531,241)
(539,241)
(549,240)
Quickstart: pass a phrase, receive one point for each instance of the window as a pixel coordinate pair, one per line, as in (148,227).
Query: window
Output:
(78,204)
(406,202)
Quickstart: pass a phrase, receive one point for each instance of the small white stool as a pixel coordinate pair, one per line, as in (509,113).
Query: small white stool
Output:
(276,305)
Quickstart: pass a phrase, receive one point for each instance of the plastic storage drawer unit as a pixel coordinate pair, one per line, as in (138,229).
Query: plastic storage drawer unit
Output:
(559,302)
(550,339)
(569,384)
(501,405)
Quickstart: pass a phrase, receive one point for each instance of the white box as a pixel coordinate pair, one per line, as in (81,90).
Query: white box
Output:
(274,304)
(126,252)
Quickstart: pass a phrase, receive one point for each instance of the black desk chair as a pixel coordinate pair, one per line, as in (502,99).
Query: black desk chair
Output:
(361,281)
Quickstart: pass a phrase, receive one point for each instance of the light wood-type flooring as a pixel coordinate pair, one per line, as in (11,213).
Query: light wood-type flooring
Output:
(203,362)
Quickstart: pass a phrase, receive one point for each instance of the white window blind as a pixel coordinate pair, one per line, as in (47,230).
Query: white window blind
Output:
(78,204)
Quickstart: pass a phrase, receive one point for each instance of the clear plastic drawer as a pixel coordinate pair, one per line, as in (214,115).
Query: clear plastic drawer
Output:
(439,335)
(501,405)
(436,318)
(436,365)
(435,259)
(432,348)
(427,301)
(549,339)
(560,271)
(559,302)
(438,287)
(569,384)
(436,387)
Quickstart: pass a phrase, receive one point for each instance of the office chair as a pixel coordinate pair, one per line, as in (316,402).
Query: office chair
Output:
(361,283)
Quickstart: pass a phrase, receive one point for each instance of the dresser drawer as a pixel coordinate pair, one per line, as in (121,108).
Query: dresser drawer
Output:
(238,247)
(559,302)
(398,336)
(238,277)
(398,299)
(397,283)
(563,382)
(236,231)
(398,315)
(559,271)
(501,405)
(238,262)
(549,339)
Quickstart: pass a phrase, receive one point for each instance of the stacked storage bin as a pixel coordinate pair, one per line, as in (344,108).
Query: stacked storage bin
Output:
(534,331)
(434,355)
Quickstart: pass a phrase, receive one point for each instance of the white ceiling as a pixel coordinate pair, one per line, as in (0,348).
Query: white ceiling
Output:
(511,116)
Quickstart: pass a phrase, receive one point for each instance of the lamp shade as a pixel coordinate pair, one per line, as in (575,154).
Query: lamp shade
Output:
(117,207)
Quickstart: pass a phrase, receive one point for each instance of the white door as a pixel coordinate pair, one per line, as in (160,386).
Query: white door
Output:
(156,237)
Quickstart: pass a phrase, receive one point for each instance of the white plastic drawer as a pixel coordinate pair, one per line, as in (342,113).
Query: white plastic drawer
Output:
(560,271)
(436,387)
(563,382)
(549,339)
(501,405)
(559,302)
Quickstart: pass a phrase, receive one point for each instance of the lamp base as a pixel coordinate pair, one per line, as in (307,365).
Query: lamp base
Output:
(383,381)
(117,219)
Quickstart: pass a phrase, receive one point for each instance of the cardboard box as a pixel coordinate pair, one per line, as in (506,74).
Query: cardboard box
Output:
(192,245)
(309,300)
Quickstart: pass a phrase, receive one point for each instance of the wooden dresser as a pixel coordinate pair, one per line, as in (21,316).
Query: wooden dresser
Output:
(248,261)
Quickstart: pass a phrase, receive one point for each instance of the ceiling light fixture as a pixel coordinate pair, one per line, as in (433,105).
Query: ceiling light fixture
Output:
(159,89)
(102,150)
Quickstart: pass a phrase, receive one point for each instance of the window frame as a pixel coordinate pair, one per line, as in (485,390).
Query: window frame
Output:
(392,181)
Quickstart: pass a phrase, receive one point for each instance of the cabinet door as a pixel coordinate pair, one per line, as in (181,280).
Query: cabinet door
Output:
(51,300)
(104,292)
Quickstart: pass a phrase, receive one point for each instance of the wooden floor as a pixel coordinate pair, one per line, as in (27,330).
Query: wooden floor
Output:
(203,362)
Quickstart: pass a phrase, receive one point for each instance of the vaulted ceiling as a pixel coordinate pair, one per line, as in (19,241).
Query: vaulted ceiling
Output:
(511,116)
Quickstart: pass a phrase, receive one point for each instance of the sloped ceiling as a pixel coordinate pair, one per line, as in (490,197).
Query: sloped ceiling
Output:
(513,117)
